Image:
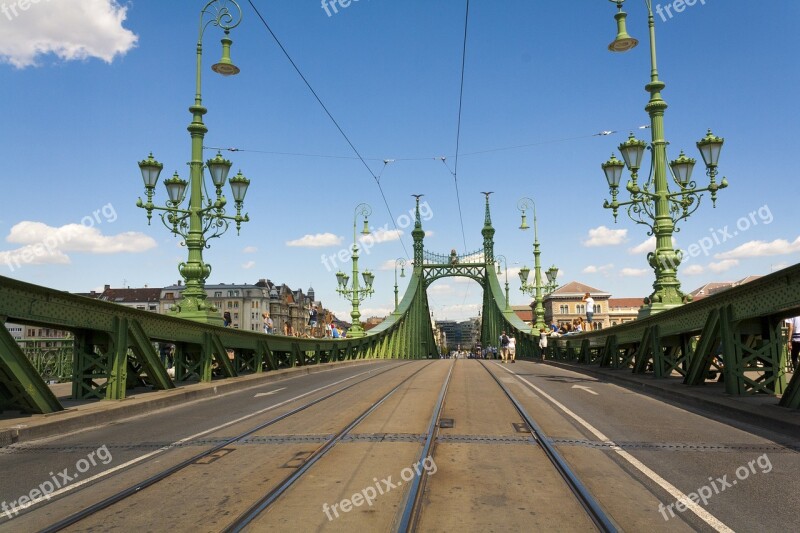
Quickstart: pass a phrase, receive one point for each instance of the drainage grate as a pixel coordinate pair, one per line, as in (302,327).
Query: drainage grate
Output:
(297,460)
(446,423)
(521,427)
(208,459)
(676,446)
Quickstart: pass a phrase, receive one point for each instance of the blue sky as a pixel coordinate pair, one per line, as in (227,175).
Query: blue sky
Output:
(85,98)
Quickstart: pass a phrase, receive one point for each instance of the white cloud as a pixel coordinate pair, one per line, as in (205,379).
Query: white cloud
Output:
(43,244)
(249,250)
(389,264)
(440,289)
(592,269)
(693,270)
(71,30)
(723,265)
(647,246)
(318,240)
(761,249)
(379,236)
(779,266)
(634,272)
(603,236)
(78,238)
(248,265)
(373,311)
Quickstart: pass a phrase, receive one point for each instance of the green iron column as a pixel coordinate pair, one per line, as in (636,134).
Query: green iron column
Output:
(537,288)
(355,293)
(653,204)
(204,218)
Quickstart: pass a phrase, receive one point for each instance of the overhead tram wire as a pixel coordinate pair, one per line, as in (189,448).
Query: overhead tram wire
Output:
(428,158)
(458,127)
(325,108)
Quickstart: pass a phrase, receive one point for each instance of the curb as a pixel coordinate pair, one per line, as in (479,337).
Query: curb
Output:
(756,416)
(107,411)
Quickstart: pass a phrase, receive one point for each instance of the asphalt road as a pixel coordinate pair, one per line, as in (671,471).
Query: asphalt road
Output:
(637,455)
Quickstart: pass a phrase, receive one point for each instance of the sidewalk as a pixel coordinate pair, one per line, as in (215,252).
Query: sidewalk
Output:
(758,410)
(80,414)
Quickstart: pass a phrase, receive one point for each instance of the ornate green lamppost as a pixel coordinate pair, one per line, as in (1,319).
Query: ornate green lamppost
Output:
(402,262)
(552,274)
(653,204)
(355,294)
(523,205)
(499,259)
(204,218)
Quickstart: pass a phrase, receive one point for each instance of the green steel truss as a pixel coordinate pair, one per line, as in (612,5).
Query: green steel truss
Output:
(737,333)
(736,336)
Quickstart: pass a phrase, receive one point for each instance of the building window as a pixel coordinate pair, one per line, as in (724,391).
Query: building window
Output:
(230,305)
(169,296)
(580,309)
(597,308)
(236,316)
(218,294)
(564,309)
(236,305)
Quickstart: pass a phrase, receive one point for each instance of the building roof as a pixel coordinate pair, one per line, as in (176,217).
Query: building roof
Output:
(122,296)
(625,303)
(574,288)
(712,288)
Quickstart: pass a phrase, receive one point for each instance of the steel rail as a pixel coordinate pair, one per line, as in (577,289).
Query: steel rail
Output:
(413,503)
(247,517)
(584,497)
(133,489)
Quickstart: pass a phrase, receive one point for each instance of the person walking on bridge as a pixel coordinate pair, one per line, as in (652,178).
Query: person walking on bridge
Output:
(512,348)
(794,340)
(504,341)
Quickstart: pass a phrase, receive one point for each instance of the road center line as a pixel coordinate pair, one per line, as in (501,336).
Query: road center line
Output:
(674,491)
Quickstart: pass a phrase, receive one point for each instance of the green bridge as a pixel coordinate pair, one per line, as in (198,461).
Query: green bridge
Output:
(738,332)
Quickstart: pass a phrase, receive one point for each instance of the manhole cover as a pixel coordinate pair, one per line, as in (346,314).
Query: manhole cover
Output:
(447,423)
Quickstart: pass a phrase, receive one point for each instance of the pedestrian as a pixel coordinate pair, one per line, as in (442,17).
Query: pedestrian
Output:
(287,329)
(589,309)
(334,331)
(268,329)
(312,319)
(504,340)
(543,341)
(512,348)
(794,340)
(226,319)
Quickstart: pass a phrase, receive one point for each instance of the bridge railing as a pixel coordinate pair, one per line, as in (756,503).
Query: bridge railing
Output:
(432,258)
(113,347)
(736,335)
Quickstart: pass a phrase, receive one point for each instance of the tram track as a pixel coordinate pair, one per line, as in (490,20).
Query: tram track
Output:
(576,486)
(251,514)
(136,488)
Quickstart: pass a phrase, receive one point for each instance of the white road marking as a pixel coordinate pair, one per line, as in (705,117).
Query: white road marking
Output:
(270,393)
(584,387)
(176,443)
(675,492)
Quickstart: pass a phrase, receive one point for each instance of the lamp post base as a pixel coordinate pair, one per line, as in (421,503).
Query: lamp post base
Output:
(655,308)
(205,316)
